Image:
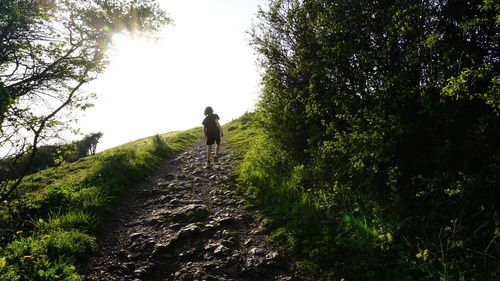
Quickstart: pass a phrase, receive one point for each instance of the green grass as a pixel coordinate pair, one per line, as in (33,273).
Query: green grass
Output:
(241,134)
(330,244)
(48,230)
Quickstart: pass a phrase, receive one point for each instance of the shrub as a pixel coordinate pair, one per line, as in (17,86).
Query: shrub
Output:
(27,258)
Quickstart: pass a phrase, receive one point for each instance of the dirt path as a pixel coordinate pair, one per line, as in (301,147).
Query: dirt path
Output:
(187,223)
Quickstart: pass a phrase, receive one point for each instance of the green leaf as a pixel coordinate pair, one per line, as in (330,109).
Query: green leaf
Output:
(5,98)
(3,263)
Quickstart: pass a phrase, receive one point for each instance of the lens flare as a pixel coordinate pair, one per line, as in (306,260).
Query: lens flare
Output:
(119,39)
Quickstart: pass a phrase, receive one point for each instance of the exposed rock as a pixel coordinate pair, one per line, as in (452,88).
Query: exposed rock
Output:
(271,256)
(190,213)
(133,255)
(257,251)
(225,221)
(222,250)
(174,202)
(230,242)
(142,271)
(135,235)
(188,230)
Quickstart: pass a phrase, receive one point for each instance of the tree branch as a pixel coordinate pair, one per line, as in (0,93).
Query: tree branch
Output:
(36,140)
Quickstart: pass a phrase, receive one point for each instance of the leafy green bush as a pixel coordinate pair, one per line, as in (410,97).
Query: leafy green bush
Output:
(160,147)
(341,230)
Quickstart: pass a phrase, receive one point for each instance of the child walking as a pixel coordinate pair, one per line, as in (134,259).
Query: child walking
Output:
(213,133)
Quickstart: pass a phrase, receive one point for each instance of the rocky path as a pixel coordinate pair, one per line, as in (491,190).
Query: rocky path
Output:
(187,223)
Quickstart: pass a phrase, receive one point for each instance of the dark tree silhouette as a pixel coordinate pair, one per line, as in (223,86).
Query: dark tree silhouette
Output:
(88,145)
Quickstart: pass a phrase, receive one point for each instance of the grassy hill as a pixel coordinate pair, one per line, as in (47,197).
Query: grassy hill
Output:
(48,230)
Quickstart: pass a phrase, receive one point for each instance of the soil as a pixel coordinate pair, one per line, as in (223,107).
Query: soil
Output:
(188,223)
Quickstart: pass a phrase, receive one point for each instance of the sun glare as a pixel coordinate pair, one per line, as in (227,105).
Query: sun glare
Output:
(157,86)
(119,39)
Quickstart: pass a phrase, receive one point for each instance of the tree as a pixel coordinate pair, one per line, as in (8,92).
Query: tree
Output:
(391,101)
(88,145)
(48,51)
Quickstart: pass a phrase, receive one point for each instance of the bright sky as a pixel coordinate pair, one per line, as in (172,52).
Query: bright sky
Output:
(202,59)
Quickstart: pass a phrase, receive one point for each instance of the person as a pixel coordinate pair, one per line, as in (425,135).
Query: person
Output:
(213,133)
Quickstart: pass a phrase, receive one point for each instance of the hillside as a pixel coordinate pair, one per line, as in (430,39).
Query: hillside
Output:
(146,209)
(127,211)
(48,231)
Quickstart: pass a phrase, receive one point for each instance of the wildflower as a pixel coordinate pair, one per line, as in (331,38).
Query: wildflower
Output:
(423,255)
(388,237)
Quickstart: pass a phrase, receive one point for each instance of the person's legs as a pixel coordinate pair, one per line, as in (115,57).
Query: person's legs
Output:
(210,142)
(209,152)
(217,149)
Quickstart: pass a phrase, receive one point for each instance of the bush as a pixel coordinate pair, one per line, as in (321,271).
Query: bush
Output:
(359,122)
(160,147)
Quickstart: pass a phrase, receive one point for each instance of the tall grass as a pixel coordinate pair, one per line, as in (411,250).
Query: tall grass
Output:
(48,231)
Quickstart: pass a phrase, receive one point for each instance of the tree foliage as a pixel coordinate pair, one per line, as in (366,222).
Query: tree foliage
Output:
(48,50)
(88,145)
(393,102)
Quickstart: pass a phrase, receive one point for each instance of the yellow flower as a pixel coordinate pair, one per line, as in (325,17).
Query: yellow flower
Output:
(388,237)
(426,254)
(423,255)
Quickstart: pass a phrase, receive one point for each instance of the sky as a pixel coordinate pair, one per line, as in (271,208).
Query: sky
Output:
(202,59)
